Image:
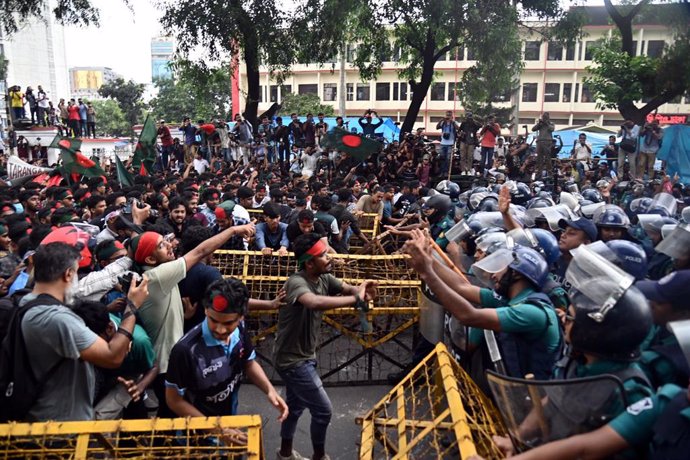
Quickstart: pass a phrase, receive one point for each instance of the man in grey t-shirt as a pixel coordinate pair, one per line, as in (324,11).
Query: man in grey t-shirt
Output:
(61,349)
(309,292)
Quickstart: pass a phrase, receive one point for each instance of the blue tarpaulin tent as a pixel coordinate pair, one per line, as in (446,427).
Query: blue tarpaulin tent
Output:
(675,151)
(569,136)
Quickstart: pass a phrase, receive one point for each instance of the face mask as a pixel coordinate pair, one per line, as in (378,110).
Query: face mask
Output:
(72,290)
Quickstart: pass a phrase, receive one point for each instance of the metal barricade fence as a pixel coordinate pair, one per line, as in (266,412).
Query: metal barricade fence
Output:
(435,412)
(354,347)
(195,437)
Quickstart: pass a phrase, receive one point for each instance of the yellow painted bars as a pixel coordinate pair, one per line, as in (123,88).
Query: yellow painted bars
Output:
(435,412)
(151,438)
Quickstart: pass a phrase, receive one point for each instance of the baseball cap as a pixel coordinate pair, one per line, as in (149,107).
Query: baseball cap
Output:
(673,288)
(583,224)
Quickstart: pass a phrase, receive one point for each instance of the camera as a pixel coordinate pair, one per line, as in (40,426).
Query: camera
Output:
(125,281)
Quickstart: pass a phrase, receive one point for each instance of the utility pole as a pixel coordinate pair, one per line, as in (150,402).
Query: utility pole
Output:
(342,93)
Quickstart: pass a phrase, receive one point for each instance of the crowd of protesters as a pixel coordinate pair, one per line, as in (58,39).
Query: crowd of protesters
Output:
(128,318)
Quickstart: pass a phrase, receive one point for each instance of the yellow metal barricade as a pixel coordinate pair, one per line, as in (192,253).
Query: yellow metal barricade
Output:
(196,437)
(354,347)
(369,223)
(435,412)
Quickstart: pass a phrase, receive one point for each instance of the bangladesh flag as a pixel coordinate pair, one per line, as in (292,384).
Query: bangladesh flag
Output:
(123,176)
(65,143)
(353,144)
(74,163)
(145,151)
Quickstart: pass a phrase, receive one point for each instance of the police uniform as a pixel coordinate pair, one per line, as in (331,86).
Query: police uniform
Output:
(529,321)
(662,359)
(439,229)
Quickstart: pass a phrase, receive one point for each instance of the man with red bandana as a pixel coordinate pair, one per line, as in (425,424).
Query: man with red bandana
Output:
(310,291)
(162,315)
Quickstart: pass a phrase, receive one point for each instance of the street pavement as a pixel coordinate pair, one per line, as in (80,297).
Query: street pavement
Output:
(343,438)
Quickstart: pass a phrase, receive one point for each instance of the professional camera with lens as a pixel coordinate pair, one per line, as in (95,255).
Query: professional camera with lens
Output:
(125,281)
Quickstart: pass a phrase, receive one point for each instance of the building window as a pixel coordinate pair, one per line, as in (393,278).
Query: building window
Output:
(399,91)
(570,52)
(285,90)
(383,91)
(261,93)
(274,93)
(363,91)
(590,48)
(655,48)
(567,90)
(350,91)
(554,52)
(552,92)
(634,48)
(453,91)
(459,53)
(330,91)
(350,54)
(586,94)
(470,54)
(532,50)
(576,97)
(444,57)
(529,92)
(438,91)
(308,89)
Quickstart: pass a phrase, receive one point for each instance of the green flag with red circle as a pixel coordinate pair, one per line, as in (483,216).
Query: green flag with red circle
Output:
(353,144)
(73,161)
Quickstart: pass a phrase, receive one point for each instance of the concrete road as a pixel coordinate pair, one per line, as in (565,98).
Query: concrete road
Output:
(343,434)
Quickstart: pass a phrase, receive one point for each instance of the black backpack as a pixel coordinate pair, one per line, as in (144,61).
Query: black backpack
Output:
(19,387)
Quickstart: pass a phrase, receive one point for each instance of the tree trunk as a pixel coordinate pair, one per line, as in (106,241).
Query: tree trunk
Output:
(419,89)
(251,59)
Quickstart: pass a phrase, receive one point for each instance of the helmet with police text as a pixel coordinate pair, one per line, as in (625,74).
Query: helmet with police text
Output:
(539,202)
(611,216)
(520,194)
(626,255)
(612,317)
(542,241)
(526,261)
(488,204)
(436,208)
(490,239)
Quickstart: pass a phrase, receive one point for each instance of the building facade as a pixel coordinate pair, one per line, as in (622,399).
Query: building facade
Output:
(86,81)
(162,49)
(551,81)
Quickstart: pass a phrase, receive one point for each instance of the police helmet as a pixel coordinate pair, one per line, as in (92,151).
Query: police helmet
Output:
(592,195)
(530,264)
(640,205)
(520,194)
(616,336)
(449,188)
(540,202)
(440,204)
(488,204)
(542,241)
(611,216)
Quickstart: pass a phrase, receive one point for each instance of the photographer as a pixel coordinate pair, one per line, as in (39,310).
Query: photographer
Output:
(582,153)
(489,133)
(628,147)
(468,138)
(610,151)
(650,143)
(545,128)
(449,133)
(368,126)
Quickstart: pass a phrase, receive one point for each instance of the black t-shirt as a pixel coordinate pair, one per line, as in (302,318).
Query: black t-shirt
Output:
(208,373)
(293,231)
(194,286)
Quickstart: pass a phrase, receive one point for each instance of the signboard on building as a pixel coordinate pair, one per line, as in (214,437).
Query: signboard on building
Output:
(667,119)
(86,79)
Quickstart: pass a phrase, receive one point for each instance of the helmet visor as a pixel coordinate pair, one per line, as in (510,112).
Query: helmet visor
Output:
(639,205)
(651,223)
(522,237)
(676,244)
(597,279)
(681,329)
(589,210)
(462,229)
(570,201)
(666,201)
(489,240)
(552,215)
(495,263)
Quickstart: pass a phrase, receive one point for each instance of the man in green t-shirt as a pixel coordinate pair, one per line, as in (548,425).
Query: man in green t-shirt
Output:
(309,292)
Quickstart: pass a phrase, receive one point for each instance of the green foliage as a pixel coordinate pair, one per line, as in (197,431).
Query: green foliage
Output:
(618,79)
(128,96)
(196,93)
(15,13)
(110,121)
(303,104)
(3,67)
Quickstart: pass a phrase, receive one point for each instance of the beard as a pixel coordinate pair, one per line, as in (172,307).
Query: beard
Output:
(72,290)
(503,285)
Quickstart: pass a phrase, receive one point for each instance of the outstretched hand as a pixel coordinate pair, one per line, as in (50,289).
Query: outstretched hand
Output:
(418,248)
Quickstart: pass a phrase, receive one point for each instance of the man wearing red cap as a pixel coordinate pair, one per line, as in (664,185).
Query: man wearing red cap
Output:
(310,291)
(162,315)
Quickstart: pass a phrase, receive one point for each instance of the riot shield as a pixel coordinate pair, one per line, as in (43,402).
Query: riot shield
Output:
(675,244)
(431,315)
(666,201)
(536,412)
(552,215)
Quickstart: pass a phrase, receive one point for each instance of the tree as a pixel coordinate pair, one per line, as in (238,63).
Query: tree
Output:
(110,121)
(14,13)
(619,78)
(420,32)
(218,29)
(127,94)
(303,104)
(205,96)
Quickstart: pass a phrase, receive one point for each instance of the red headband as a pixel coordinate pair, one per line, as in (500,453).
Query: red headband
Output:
(147,244)
(316,250)
(220,213)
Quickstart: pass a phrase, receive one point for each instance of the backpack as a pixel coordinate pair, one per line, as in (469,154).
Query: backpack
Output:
(19,387)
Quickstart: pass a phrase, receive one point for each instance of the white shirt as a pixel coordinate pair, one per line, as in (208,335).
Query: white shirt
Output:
(200,165)
(581,153)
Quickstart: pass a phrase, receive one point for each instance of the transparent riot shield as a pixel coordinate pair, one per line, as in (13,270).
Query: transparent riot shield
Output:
(536,412)
(676,244)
